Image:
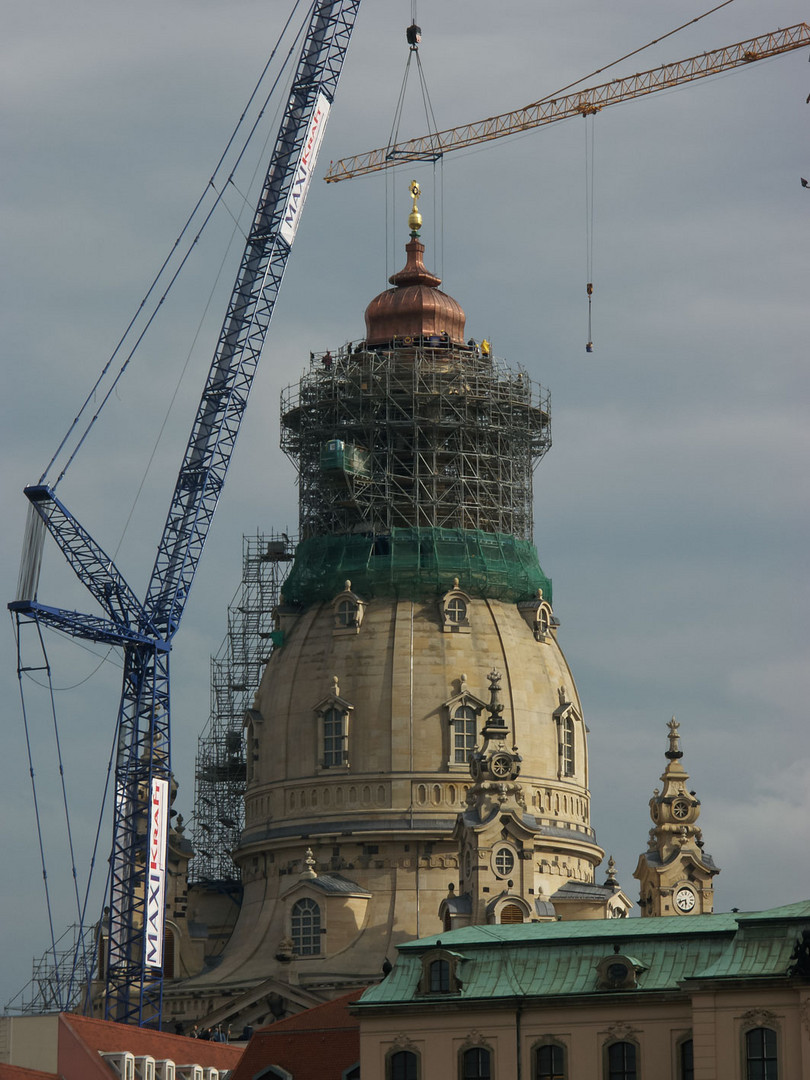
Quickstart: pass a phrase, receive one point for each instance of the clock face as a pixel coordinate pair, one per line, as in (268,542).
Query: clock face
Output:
(685,899)
(680,809)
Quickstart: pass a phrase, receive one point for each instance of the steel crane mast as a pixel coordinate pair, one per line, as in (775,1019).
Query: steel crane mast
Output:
(581,103)
(134,962)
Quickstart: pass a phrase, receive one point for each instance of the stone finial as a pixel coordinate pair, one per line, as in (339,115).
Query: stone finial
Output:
(335,686)
(347,585)
(495,706)
(610,880)
(310,864)
(674,752)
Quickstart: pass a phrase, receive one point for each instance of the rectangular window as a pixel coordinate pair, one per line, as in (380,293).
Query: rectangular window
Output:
(621,1061)
(464,734)
(686,1060)
(567,747)
(760,1054)
(550,1062)
(334,738)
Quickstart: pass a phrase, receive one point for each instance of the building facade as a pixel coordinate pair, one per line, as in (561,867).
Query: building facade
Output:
(709,997)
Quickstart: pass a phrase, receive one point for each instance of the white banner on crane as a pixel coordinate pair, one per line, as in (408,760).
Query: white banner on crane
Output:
(304,170)
(156,871)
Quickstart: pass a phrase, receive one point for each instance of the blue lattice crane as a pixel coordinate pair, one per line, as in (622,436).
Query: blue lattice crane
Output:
(145,630)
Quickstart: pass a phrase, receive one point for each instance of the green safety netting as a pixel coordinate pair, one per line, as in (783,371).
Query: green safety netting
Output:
(415,563)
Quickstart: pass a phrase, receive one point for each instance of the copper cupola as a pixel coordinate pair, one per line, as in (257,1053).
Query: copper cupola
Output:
(415,308)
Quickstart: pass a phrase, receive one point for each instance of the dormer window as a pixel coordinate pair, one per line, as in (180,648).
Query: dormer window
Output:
(465,732)
(346,614)
(347,611)
(333,714)
(455,611)
(463,712)
(539,616)
(567,746)
(439,973)
(335,738)
(618,972)
(566,718)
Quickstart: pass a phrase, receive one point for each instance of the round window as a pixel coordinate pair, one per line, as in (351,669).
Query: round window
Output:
(504,861)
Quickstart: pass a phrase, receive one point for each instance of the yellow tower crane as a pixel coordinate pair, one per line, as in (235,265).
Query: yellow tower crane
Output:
(581,103)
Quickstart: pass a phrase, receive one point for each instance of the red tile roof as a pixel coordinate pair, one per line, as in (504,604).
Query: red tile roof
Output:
(82,1037)
(16,1072)
(313,1045)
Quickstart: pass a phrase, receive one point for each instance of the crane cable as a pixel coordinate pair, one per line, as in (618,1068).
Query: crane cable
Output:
(80,955)
(413,36)
(219,196)
(589,198)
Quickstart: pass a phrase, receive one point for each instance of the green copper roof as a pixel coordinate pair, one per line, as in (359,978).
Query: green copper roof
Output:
(416,563)
(558,959)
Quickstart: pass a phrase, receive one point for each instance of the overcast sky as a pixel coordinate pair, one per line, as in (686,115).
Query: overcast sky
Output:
(672,511)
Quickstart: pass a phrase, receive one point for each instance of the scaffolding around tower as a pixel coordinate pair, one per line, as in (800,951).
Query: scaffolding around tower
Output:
(235,673)
(421,432)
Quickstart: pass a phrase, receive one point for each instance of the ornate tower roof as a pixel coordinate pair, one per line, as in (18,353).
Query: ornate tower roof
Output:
(675,873)
(415,308)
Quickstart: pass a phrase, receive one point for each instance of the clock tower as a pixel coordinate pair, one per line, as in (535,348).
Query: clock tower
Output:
(674,873)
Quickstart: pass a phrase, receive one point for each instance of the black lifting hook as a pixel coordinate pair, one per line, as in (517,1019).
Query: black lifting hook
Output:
(413,35)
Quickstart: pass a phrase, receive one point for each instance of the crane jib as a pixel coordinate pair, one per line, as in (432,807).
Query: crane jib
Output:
(304,170)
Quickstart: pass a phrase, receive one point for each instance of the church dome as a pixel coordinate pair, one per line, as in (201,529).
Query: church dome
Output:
(357,750)
(415,308)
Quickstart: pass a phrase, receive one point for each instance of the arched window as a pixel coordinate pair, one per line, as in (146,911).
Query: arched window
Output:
(464,732)
(760,1054)
(542,623)
(335,738)
(346,614)
(511,913)
(456,610)
(440,977)
(621,1061)
(402,1065)
(476,1063)
(686,1060)
(306,927)
(567,746)
(549,1062)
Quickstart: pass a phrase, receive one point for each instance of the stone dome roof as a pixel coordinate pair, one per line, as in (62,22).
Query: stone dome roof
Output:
(373,663)
(415,307)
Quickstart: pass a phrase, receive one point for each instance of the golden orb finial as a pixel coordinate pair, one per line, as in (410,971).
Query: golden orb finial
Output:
(415,218)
